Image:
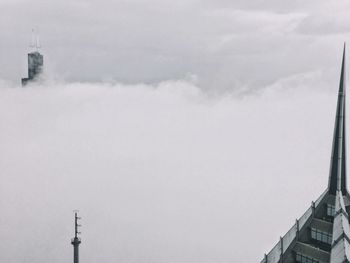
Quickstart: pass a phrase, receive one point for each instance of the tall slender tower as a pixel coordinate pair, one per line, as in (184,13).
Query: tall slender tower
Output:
(76,240)
(322,233)
(35,61)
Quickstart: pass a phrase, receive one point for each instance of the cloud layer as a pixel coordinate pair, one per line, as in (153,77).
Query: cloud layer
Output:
(159,172)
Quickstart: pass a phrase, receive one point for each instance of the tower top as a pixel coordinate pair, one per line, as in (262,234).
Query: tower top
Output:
(76,240)
(76,225)
(322,233)
(337,174)
(35,42)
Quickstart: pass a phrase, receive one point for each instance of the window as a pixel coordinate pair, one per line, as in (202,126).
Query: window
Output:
(330,210)
(321,236)
(305,259)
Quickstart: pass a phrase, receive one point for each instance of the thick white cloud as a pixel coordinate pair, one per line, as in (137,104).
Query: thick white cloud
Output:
(160,172)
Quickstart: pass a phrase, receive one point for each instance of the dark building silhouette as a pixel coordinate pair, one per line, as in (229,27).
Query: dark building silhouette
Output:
(76,240)
(322,233)
(35,66)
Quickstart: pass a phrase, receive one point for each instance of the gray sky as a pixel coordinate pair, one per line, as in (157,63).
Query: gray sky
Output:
(162,170)
(225,45)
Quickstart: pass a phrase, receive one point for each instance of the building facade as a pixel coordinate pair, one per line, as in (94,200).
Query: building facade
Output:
(322,233)
(35,66)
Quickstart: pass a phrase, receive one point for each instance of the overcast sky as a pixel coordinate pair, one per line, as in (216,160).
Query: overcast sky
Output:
(184,131)
(223,44)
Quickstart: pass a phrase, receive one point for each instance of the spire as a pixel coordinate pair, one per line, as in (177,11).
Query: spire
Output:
(322,233)
(337,176)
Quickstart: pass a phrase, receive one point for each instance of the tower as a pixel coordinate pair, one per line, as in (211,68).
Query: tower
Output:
(76,240)
(322,233)
(35,62)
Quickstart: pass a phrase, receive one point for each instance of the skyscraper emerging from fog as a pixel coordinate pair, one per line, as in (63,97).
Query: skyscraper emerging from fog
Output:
(35,62)
(322,234)
(35,65)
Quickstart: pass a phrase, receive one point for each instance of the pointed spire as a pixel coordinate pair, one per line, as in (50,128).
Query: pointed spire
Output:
(337,176)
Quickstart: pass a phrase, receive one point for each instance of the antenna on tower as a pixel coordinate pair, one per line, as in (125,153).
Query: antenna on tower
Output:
(76,224)
(76,240)
(32,43)
(35,43)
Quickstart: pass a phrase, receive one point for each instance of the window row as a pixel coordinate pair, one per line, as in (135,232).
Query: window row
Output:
(330,210)
(321,236)
(305,259)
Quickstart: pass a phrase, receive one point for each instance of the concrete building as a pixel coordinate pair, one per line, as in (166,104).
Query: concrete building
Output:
(35,66)
(322,233)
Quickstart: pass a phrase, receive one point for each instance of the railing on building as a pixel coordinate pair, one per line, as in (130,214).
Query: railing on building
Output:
(276,254)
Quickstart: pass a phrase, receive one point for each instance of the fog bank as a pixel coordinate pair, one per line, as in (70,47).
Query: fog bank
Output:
(160,173)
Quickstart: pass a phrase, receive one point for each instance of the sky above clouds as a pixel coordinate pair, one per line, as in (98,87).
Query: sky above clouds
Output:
(223,45)
(182,130)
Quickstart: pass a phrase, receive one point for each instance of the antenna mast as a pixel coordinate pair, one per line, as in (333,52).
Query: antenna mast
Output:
(32,43)
(76,240)
(35,43)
